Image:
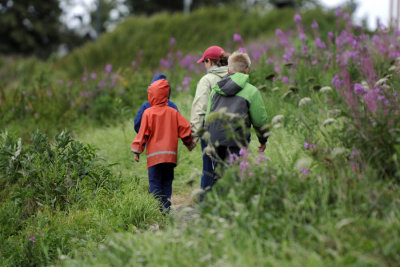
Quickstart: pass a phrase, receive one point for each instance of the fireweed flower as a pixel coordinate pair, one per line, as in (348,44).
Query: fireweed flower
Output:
(237,38)
(242,50)
(305,171)
(172,41)
(108,68)
(261,158)
(60,81)
(285,79)
(297,18)
(359,89)
(314,25)
(233,157)
(269,61)
(32,239)
(93,75)
(101,84)
(338,12)
(306,145)
(84,79)
(244,152)
(243,166)
(165,63)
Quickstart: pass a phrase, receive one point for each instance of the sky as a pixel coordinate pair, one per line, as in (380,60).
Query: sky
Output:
(370,9)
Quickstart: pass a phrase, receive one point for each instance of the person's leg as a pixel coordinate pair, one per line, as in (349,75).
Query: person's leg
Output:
(207,179)
(166,184)
(155,177)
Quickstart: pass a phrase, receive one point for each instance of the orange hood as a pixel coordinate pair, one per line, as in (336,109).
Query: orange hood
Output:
(158,93)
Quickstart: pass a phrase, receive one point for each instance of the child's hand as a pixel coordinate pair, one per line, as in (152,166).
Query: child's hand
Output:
(136,157)
(192,145)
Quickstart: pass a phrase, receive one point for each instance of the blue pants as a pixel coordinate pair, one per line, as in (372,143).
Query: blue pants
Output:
(160,181)
(207,179)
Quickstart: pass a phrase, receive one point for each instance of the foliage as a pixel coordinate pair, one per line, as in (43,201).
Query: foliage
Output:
(30,27)
(55,196)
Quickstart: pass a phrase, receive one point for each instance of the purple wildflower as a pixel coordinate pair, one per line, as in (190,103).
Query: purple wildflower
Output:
(237,38)
(244,152)
(233,157)
(338,12)
(108,68)
(84,79)
(165,63)
(302,36)
(285,79)
(101,84)
(60,81)
(297,18)
(319,43)
(314,25)
(359,89)
(244,165)
(242,50)
(69,84)
(277,69)
(261,158)
(269,61)
(305,171)
(331,35)
(32,239)
(172,41)
(93,75)
(306,145)
(346,16)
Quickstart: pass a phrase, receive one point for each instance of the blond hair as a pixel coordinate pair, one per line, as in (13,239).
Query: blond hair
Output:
(238,62)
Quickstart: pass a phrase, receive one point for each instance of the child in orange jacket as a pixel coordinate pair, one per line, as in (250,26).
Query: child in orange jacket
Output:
(160,129)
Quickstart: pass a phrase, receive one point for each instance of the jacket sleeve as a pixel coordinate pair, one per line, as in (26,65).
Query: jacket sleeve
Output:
(142,137)
(199,106)
(138,118)
(184,130)
(258,116)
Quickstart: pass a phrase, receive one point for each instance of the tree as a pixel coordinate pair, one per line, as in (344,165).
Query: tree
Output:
(30,26)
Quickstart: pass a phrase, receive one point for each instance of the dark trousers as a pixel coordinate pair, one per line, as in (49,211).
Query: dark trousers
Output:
(160,181)
(222,155)
(207,179)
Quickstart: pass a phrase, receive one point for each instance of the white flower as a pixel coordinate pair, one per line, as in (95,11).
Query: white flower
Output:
(275,89)
(328,121)
(325,89)
(381,82)
(303,163)
(304,101)
(335,112)
(277,118)
(365,85)
(278,125)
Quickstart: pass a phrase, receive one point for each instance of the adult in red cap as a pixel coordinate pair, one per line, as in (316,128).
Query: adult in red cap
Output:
(215,60)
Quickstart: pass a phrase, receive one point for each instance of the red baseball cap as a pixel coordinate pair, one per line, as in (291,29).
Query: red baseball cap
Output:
(213,52)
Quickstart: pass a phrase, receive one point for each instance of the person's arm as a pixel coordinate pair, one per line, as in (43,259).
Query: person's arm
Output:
(142,137)
(184,132)
(138,118)
(258,116)
(199,106)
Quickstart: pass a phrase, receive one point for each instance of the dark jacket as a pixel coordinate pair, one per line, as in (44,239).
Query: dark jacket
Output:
(234,106)
(146,105)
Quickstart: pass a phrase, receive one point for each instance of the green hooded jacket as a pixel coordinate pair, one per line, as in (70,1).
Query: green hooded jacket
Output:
(234,105)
